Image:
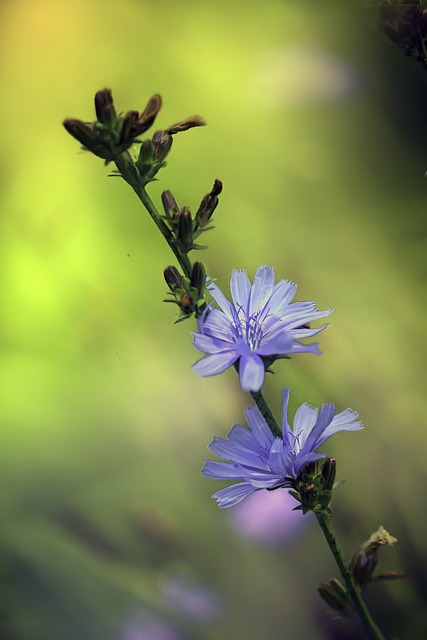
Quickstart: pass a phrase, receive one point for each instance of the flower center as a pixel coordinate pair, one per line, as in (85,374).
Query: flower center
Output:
(248,329)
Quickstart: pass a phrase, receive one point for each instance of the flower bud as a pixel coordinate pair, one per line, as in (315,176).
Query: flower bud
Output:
(309,471)
(184,125)
(334,594)
(162,143)
(104,107)
(208,205)
(185,229)
(329,471)
(198,277)
(81,132)
(145,159)
(308,495)
(186,303)
(128,123)
(169,203)
(173,277)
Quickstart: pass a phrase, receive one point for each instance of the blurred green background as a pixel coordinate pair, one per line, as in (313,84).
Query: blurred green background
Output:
(317,128)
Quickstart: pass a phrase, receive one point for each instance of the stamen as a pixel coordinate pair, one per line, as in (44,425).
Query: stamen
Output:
(248,329)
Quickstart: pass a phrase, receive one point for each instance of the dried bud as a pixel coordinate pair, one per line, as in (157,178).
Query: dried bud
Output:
(184,125)
(173,278)
(329,471)
(104,107)
(147,117)
(128,124)
(81,132)
(185,229)
(162,143)
(208,205)
(334,594)
(365,559)
(198,277)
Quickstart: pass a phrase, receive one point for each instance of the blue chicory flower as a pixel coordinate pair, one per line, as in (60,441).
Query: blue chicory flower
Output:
(259,326)
(264,461)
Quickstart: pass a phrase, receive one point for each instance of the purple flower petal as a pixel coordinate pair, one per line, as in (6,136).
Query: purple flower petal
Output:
(222,470)
(232,495)
(213,364)
(304,422)
(262,288)
(211,345)
(283,292)
(221,300)
(259,426)
(251,372)
(240,288)
(217,325)
(344,421)
(312,440)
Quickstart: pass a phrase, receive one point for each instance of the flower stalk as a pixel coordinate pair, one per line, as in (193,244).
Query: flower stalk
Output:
(124,164)
(371,629)
(266,413)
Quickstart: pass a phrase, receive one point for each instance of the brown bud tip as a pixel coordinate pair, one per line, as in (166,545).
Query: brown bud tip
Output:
(186,303)
(184,125)
(217,188)
(329,471)
(198,277)
(150,112)
(147,117)
(81,132)
(104,106)
(173,277)
(169,203)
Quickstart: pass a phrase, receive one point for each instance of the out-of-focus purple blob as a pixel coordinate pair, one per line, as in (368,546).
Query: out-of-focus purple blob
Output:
(191,599)
(267,516)
(301,75)
(148,627)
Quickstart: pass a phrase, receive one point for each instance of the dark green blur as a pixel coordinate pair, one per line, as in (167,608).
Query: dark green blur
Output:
(318,130)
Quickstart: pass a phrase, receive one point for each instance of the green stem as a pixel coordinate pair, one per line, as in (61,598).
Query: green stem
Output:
(372,631)
(266,413)
(123,164)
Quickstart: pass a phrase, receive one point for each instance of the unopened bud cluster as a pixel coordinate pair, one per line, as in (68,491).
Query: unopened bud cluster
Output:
(187,293)
(186,229)
(112,134)
(314,486)
(111,137)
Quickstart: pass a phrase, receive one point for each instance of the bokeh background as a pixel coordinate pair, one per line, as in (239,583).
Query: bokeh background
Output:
(317,127)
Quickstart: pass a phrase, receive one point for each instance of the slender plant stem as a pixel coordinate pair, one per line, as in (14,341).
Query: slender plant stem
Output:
(122,164)
(266,413)
(372,631)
